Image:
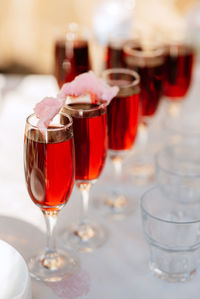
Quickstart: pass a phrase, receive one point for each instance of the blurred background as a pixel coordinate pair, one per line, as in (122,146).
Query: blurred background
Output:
(28,28)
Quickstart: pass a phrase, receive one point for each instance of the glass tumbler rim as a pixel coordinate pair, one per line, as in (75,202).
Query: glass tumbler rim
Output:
(159,219)
(61,127)
(168,170)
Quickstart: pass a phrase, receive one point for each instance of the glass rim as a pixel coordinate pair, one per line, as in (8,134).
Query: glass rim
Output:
(125,71)
(62,126)
(156,51)
(143,198)
(168,171)
(102,105)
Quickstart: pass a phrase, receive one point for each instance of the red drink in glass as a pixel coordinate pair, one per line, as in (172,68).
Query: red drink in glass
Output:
(150,66)
(49,169)
(151,88)
(123,117)
(71,59)
(114,56)
(90,138)
(178,71)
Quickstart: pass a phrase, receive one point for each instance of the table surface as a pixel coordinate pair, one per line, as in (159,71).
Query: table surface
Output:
(118,270)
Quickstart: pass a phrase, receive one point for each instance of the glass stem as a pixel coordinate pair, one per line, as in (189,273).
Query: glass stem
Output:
(117,163)
(84,188)
(51,259)
(118,200)
(143,134)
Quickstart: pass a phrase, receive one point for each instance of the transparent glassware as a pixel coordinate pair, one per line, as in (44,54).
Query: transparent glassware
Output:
(49,167)
(149,61)
(71,52)
(178,170)
(90,136)
(179,65)
(123,119)
(171,230)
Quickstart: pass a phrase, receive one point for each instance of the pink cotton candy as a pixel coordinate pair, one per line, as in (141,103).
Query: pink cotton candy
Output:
(47,109)
(89,83)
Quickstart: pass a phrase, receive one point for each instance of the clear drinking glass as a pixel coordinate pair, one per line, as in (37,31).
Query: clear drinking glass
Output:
(171,229)
(123,119)
(178,74)
(90,136)
(49,172)
(71,52)
(149,61)
(178,170)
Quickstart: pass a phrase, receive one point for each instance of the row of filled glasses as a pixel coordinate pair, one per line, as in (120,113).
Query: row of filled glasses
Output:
(170,212)
(164,70)
(74,148)
(169,63)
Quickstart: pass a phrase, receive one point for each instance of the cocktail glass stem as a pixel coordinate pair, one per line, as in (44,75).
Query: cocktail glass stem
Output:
(84,231)
(84,188)
(174,108)
(51,259)
(118,200)
(143,134)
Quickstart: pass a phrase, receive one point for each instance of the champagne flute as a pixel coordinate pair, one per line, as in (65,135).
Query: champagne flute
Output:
(49,172)
(178,74)
(123,119)
(71,54)
(90,137)
(149,61)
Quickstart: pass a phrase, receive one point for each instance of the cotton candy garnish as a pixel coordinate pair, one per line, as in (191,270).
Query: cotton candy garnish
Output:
(86,83)
(46,109)
(89,83)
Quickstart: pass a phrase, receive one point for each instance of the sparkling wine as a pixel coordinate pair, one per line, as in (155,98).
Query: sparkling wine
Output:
(150,66)
(90,137)
(114,56)
(123,117)
(178,71)
(49,168)
(71,59)
(151,88)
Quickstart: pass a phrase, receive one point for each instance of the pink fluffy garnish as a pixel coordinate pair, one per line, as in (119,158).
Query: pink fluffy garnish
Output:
(89,83)
(46,110)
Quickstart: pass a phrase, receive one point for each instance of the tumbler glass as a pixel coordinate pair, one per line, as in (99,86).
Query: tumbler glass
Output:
(171,229)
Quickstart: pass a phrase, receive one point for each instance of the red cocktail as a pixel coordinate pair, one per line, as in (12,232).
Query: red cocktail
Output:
(49,166)
(149,64)
(114,55)
(49,184)
(178,71)
(90,137)
(123,119)
(71,59)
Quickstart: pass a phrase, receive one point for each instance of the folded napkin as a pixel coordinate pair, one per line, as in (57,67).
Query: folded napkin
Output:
(14,275)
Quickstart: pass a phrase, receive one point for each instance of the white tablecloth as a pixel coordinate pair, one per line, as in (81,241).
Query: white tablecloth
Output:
(118,270)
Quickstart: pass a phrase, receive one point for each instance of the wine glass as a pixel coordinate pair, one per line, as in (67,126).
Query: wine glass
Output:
(149,61)
(90,137)
(49,166)
(71,54)
(178,74)
(123,119)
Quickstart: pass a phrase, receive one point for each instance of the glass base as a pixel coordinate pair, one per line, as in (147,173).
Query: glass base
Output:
(85,237)
(114,205)
(171,277)
(63,265)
